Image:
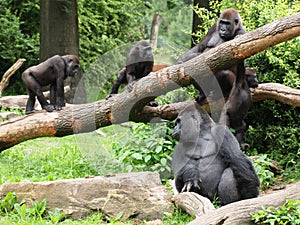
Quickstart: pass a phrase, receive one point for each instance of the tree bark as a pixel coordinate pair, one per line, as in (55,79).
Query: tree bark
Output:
(239,212)
(154,29)
(59,35)
(128,106)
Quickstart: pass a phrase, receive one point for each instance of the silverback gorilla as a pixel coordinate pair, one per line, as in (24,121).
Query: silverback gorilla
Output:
(139,63)
(53,71)
(207,160)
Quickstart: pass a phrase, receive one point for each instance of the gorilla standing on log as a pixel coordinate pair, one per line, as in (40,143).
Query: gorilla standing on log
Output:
(207,160)
(53,71)
(139,63)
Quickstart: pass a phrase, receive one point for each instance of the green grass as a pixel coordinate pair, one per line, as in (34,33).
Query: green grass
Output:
(75,156)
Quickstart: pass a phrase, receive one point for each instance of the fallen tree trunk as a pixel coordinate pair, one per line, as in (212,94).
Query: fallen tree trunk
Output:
(239,212)
(264,91)
(19,101)
(128,106)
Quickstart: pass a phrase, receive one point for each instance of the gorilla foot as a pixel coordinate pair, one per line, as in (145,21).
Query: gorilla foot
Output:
(152,104)
(48,108)
(200,99)
(109,96)
(30,111)
(245,146)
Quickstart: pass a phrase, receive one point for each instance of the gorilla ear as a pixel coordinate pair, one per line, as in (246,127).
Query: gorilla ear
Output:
(236,21)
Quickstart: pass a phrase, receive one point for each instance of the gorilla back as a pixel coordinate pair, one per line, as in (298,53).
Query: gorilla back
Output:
(207,160)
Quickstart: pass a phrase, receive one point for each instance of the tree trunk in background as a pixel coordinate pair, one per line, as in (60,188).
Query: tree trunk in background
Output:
(154,29)
(196,20)
(59,36)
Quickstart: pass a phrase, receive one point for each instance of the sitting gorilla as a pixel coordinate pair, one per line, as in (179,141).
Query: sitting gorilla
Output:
(207,160)
(53,71)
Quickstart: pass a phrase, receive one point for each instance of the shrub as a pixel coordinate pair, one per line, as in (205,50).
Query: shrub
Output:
(287,214)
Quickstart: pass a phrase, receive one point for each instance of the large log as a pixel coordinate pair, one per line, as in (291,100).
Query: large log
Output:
(128,106)
(239,212)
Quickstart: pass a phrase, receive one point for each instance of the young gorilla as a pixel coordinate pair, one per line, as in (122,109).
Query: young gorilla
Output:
(53,71)
(207,160)
(139,63)
(238,103)
(228,26)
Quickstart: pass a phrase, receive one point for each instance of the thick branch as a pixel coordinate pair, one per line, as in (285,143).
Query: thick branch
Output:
(127,106)
(238,212)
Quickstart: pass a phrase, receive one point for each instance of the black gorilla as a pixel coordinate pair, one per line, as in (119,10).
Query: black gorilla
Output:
(238,103)
(228,26)
(139,63)
(207,160)
(53,71)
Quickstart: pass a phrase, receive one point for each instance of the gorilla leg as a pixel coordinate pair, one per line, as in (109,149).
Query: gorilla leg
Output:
(227,189)
(30,102)
(53,94)
(35,89)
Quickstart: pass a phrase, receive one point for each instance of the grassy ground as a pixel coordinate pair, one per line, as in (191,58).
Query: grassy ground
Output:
(65,158)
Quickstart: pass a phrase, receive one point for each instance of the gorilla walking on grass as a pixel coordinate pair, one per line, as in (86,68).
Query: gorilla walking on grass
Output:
(207,160)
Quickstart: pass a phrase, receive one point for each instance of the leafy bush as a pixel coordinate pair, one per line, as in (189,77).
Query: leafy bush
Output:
(287,214)
(149,148)
(262,168)
(15,44)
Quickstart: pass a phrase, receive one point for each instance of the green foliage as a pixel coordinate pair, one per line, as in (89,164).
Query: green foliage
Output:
(19,212)
(262,168)
(149,148)
(287,214)
(104,25)
(15,44)
(7,204)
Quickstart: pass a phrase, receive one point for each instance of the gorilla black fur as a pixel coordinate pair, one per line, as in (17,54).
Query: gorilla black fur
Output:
(207,160)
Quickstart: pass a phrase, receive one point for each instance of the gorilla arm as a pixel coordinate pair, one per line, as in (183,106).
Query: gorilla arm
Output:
(246,178)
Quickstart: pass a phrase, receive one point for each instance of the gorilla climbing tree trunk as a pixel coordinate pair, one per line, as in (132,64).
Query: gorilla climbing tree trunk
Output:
(59,35)
(129,106)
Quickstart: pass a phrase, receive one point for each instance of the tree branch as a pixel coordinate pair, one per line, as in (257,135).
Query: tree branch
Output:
(128,105)
(239,212)
(9,73)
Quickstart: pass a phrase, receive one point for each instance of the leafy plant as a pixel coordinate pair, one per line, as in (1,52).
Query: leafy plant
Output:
(262,168)
(7,204)
(149,148)
(56,216)
(287,214)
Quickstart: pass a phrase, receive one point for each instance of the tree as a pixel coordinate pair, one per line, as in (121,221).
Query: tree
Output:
(59,35)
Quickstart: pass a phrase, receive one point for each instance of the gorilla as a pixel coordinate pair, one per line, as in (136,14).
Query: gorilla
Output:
(139,63)
(251,77)
(53,71)
(226,78)
(236,107)
(207,160)
(228,26)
